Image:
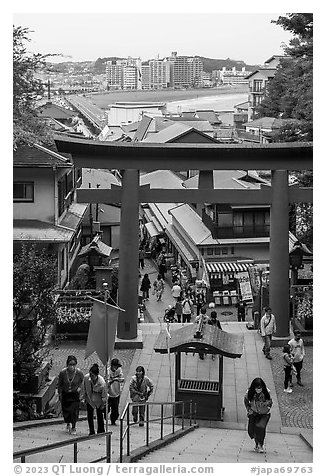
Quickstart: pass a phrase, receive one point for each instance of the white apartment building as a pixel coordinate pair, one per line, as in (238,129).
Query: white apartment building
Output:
(233,76)
(124,74)
(158,76)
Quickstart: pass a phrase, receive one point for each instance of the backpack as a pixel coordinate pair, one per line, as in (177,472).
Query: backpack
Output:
(186,306)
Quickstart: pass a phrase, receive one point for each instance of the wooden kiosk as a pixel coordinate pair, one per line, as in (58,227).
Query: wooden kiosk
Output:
(196,338)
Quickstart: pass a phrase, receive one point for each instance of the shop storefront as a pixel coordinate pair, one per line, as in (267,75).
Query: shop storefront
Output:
(228,282)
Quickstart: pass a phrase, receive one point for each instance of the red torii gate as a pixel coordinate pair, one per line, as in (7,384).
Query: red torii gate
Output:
(132,157)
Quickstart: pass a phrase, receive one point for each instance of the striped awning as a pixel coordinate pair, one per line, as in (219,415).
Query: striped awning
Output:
(227,267)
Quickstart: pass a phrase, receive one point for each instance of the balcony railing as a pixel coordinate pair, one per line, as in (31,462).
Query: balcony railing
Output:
(251,231)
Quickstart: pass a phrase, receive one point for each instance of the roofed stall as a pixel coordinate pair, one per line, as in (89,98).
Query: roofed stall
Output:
(201,338)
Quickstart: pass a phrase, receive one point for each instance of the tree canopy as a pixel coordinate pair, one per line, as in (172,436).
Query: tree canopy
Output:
(290,94)
(34,279)
(28,128)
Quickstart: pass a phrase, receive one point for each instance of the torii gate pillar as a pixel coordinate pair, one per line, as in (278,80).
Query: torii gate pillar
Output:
(279,252)
(129,256)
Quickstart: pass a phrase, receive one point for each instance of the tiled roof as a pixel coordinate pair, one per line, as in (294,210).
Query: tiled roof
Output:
(161,179)
(228,179)
(209,115)
(38,156)
(74,215)
(168,134)
(110,133)
(142,128)
(98,176)
(268,123)
(175,131)
(267,72)
(55,112)
(97,245)
(36,230)
(243,105)
(191,223)
(224,133)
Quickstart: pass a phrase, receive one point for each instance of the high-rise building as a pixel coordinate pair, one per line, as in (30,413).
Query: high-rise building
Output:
(187,70)
(145,76)
(114,75)
(124,74)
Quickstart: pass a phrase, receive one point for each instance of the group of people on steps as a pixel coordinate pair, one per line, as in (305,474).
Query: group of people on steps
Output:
(74,388)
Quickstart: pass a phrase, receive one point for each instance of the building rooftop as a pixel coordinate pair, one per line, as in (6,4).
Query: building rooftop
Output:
(49,109)
(39,156)
(38,231)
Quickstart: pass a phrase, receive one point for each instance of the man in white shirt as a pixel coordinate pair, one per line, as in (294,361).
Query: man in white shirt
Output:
(267,329)
(298,352)
(176,291)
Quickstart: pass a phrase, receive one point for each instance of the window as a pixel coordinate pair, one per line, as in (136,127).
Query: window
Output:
(23,192)
(210,251)
(258,85)
(217,251)
(224,251)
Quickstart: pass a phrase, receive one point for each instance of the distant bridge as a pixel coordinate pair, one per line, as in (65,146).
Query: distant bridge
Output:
(93,114)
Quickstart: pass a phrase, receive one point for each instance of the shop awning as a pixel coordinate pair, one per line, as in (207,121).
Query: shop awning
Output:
(151,228)
(227,267)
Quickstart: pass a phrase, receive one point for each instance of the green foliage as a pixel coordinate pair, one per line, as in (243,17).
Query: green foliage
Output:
(34,278)
(28,128)
(290,94)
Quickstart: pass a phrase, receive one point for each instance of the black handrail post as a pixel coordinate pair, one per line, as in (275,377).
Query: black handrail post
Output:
(173,416)
(162,421)
(183,415)
(195,413)
(23,459)
(190,412)
(121,438)
(75,452)
(128,431)
(147,424)
(108,448)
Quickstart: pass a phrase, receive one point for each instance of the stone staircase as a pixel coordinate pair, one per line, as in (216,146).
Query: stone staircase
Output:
(217,445)
(88,451)
(202,445)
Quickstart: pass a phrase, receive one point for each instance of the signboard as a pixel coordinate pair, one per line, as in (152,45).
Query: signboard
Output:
(245,286)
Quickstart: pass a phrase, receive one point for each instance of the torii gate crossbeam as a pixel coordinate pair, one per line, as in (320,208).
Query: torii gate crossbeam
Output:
(132,157)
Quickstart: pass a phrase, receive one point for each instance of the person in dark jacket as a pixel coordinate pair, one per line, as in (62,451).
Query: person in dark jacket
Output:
(70,382)
(145,286)
(141,257)
(258,403)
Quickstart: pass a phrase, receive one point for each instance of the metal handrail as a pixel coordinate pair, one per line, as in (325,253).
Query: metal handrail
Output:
(72,441)
(125,432)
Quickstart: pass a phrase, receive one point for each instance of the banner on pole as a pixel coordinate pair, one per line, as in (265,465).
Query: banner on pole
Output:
(101,334)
